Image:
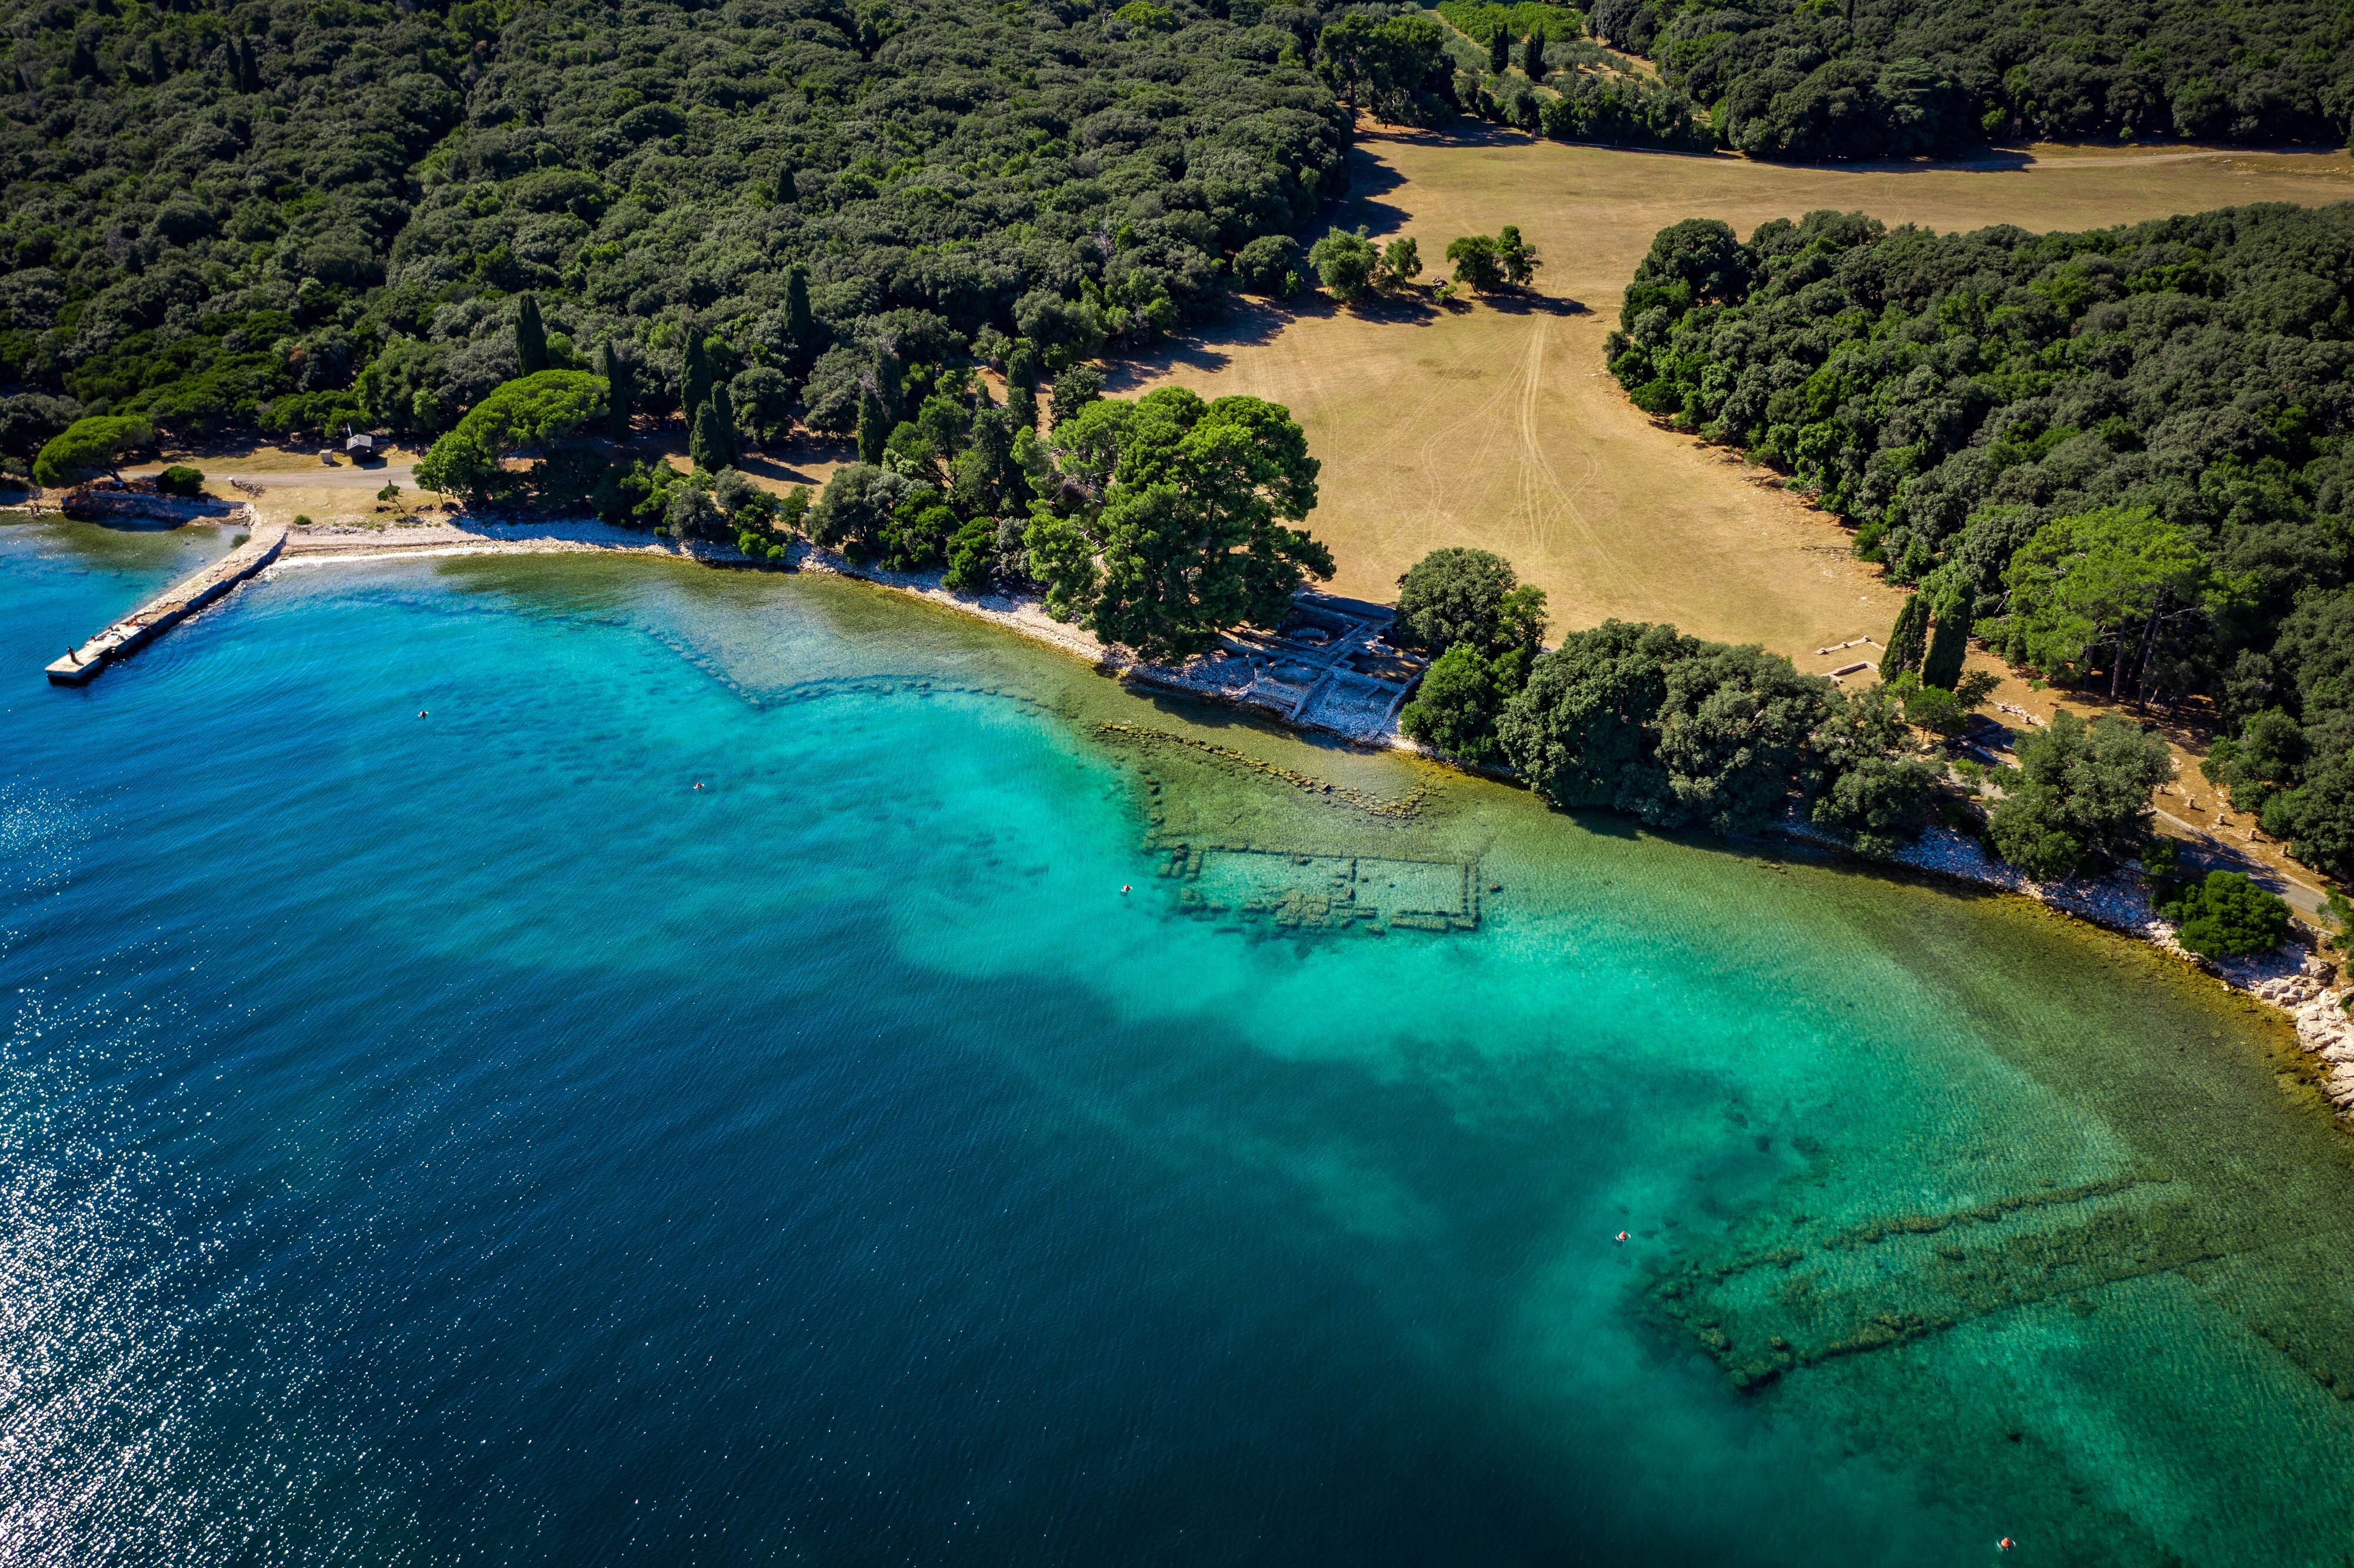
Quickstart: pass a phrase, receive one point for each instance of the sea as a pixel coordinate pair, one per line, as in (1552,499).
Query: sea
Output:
(585,1059)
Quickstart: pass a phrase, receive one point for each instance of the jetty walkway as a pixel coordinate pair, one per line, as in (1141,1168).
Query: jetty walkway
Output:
(169,607)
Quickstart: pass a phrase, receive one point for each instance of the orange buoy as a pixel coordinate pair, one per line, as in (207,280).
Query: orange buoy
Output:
(2003,1545)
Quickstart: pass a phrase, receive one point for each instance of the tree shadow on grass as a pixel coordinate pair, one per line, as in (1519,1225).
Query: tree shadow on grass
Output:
(783,464)
(1461,131)
(1992,161)
(1248,321)
(1411,307)
(1369,179)
(1524,305)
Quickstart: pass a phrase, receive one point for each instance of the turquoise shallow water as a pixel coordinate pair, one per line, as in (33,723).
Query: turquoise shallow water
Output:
(459,1139)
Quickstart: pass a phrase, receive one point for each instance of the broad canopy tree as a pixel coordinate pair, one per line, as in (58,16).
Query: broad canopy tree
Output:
(2081,801)
(2100,587)
(1486,628)
(1488,262)
(1183,530)
(90,447)
(1348,265)
(1689,734)
(1398,69)
(527,415)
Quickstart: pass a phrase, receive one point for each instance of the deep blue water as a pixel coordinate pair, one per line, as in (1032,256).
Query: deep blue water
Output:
(460,1138)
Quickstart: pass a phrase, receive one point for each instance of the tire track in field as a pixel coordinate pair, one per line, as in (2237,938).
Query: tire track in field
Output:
(1441,470)
(1544,497)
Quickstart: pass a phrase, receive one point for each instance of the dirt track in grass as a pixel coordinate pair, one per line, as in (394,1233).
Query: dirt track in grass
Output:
(1496,425)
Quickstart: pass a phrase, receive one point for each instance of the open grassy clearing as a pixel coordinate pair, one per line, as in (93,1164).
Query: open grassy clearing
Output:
(1496,425)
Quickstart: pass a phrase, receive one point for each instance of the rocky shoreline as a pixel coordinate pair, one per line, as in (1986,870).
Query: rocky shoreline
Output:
(2293,978)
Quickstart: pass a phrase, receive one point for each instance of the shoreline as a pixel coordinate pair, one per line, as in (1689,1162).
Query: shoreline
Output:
(2291,978)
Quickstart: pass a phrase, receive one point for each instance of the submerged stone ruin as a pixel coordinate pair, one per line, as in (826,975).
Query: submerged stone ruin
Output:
(1325,892)
(1903,1278)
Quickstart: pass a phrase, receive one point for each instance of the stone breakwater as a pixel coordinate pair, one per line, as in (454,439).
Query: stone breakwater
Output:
(167,609)
(2291,978)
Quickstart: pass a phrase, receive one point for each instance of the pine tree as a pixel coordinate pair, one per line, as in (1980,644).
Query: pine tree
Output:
(873,428)
(1500,52)
(1905,640)
(531,337)
(618,391)
(1533,56)
(798,324)
(1949,642)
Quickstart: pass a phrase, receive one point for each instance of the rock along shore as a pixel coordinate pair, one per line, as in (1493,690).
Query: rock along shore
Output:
(2291,978)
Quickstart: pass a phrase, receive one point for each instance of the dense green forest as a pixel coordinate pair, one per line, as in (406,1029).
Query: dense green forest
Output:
(293,215)
(1688,733)
(1811,80)
(2123,459)
(299,212)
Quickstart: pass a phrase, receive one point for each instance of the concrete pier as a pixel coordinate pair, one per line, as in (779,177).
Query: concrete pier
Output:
(168,609)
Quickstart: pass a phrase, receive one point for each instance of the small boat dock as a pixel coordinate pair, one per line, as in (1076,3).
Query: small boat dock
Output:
(168,609)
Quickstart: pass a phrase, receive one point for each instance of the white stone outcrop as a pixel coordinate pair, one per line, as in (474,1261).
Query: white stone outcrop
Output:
(2290,977)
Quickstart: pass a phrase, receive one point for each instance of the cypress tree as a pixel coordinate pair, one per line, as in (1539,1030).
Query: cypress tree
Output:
(723,411)
(1905,640)
(873,428)
(798,324)
(1022,384)
(693,377)
(1943,664)
(531,337)
(706,443)
(248,68)
(618,391)
(788,190)
(1533,55)
(158,68)
(1500,52)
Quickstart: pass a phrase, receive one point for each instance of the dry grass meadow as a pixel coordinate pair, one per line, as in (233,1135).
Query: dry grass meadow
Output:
(1496,425)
